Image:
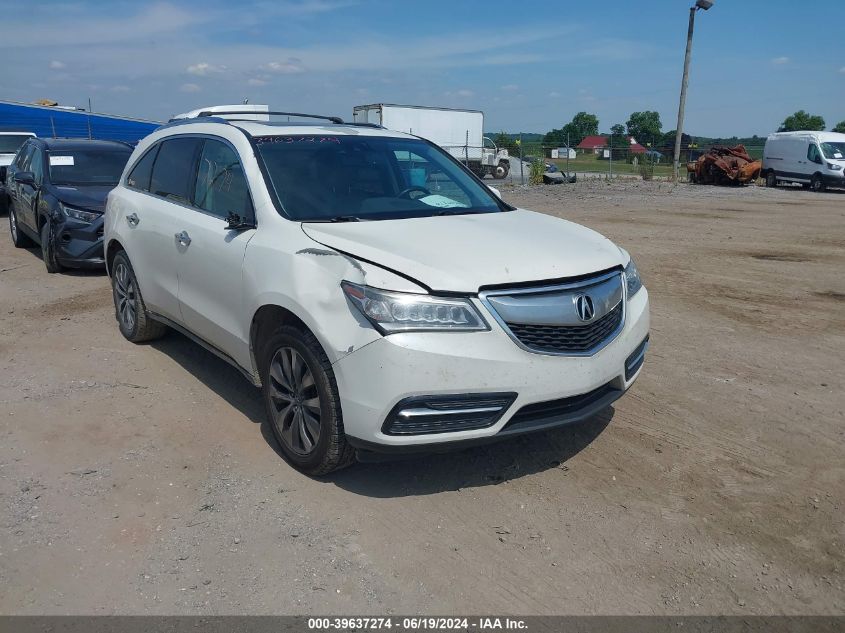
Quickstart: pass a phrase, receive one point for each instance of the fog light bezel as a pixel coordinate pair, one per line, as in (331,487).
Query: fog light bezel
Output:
(437,410)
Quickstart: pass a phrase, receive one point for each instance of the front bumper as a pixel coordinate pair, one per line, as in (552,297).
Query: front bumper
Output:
(79,245)
(834,180)
(374,378)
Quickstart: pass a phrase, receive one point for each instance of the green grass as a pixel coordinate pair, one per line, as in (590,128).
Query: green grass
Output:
(591,163)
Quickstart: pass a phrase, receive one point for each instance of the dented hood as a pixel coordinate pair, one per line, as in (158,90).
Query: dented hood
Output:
(462,253)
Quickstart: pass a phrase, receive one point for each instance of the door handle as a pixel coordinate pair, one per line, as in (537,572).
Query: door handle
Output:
(183,238)
(133,219)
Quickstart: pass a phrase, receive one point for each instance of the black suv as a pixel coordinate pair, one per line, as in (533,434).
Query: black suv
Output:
(57,190)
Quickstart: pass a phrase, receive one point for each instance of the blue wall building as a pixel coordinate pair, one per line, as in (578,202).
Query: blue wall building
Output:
(49,122)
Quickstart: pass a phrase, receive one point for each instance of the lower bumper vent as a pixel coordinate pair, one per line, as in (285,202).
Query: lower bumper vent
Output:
(423,415)
(555,412)
(635,360)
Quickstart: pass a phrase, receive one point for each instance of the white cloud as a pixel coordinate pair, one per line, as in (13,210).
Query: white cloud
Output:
(510,87)
(464,93)
(67,26)
(842,70)
(311,7)
(189,88)
(292,66)
(256,81)
(120,88)
(780,61)
(57,65)
(204,68)
(554,94)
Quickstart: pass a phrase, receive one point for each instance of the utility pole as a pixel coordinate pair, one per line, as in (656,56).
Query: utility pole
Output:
(676,163)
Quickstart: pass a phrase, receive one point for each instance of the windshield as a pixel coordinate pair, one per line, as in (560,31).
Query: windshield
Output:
(833,150)
(87,167)
(10,143)
(346,177)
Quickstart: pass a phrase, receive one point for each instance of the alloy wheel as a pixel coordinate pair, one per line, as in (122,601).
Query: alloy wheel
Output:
(126,296)
(295,401)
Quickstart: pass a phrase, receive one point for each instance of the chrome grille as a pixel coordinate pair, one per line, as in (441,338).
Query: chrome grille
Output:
(561,339)
(548,319)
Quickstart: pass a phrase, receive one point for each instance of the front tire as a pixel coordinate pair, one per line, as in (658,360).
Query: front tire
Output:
(302,402)
(501,170)
(48,251)
(133,320)
(817,183)
(18,239)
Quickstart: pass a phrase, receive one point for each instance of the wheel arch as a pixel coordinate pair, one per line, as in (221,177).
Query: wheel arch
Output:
(113,248)
(265,319)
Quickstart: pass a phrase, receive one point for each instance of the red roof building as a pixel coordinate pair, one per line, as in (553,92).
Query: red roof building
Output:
(593,142)
(596,143)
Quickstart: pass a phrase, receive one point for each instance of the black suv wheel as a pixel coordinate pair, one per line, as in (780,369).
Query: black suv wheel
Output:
(302,401)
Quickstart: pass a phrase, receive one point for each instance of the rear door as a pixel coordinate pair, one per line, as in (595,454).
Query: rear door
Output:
(161,184)
(210,255)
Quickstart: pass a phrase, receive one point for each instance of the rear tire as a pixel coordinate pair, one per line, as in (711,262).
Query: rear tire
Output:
(817,183)
(48,251)
(771,179)
(133,320)
(302,401)
(501,170)
(18,239)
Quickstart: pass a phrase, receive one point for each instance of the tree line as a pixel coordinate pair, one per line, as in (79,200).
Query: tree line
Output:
(647,129)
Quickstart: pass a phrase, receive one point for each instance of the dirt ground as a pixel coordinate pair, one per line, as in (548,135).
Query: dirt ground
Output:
(142,479)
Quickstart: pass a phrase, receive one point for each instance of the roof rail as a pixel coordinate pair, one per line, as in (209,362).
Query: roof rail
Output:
(217,113)
(209,119)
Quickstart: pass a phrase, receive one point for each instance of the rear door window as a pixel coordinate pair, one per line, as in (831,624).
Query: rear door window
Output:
(139,177)
(813,153)
(175,168)
(221,185)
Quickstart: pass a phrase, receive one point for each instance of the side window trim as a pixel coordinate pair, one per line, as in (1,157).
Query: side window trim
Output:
(189,203)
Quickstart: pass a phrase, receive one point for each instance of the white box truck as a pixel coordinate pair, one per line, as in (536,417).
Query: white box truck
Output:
(814,159)
(459,132)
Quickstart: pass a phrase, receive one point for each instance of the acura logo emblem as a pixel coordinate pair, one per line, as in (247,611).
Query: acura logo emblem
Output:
(584,307)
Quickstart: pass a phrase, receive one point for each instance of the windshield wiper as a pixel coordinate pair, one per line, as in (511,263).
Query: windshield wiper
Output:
(458,211)
(345,218)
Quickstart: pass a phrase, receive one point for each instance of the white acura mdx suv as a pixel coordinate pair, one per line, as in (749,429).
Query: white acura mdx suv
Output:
(381,295)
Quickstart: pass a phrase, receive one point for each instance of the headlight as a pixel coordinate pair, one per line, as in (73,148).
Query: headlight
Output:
(632,279)
(79,214)
(403,312)
(834,167)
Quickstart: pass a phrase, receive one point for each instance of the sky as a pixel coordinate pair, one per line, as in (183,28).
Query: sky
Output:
(530,66)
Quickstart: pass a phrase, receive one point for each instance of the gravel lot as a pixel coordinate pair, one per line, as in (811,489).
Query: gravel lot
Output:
(142,479)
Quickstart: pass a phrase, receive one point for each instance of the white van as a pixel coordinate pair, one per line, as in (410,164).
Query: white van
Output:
(814,159)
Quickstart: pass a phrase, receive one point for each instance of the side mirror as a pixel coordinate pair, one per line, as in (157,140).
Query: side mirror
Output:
(235,222)
(25,178)
(495,191)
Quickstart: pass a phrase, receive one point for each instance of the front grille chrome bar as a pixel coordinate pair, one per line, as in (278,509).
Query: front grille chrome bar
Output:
(537,332)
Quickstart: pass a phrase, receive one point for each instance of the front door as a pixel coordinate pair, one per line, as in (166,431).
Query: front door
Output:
(211,256)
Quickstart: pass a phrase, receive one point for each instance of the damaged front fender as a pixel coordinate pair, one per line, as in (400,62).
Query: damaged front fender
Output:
(306,282)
